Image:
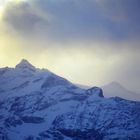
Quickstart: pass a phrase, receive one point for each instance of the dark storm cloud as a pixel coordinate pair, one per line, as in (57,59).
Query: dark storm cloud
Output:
(125,13)
(22,18)
(76,19)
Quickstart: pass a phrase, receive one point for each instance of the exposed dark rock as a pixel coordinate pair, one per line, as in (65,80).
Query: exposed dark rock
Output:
(90,134)
(96,90)
(12,122)
(32,119)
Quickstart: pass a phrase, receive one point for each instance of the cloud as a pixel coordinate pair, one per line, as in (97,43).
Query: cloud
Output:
(127,69)
(67,20)
(122,10)
(22,18)
(125,13)
(52,23)
(99,37)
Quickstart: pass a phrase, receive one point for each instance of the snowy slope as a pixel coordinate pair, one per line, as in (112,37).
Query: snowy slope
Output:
(26,79)
(39,105)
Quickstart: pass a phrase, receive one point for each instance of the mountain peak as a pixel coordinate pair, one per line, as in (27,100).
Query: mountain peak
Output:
(114,83)
(24,64)
(115,86)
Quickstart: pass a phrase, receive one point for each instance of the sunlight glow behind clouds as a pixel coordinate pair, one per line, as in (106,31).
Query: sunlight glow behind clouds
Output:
(88,42)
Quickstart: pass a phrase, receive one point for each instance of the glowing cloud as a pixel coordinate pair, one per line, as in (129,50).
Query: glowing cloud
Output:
(88,42)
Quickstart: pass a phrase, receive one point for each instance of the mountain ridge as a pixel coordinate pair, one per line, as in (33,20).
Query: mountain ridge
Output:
(116,89)
(39,105)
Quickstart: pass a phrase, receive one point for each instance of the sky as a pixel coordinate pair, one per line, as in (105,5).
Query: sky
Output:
(90,42)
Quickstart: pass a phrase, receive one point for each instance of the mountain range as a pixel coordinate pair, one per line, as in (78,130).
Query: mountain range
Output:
(36,104)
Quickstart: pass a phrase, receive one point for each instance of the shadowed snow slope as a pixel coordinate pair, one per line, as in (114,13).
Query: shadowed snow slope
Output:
(36,104)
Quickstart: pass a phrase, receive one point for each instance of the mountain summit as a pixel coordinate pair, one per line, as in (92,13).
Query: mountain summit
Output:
(36,104)
(24,64)
(116,89)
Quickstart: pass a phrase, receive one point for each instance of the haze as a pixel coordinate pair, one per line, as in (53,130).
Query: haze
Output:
(90,42)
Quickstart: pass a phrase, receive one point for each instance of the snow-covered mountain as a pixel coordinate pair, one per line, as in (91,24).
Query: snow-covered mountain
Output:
(116,89)
(36,104)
